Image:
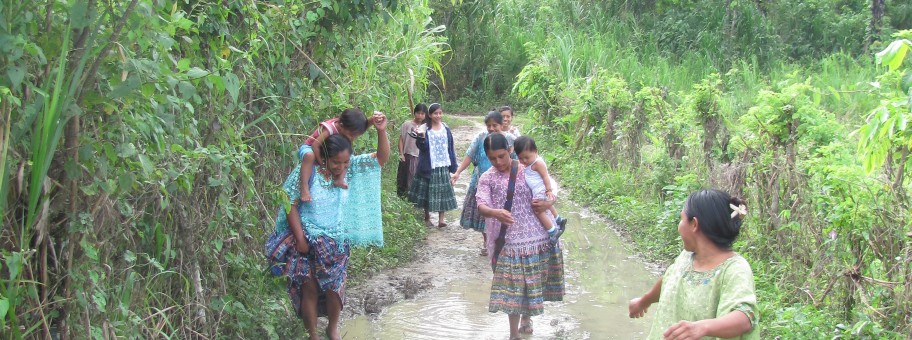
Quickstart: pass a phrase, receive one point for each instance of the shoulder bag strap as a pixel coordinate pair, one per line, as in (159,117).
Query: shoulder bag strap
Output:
(511,187)
(508,205)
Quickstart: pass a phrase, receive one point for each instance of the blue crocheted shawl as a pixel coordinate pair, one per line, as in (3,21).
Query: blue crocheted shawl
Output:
(348,216)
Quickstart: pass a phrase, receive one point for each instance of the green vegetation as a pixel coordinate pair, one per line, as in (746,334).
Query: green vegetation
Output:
(144,143)
(783,102)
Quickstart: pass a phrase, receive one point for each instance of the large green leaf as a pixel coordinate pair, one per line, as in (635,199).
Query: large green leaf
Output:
(15,74)
(4,307)
(894,54)
(233,85)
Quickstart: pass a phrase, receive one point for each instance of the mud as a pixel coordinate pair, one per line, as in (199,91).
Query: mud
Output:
(431,267)
(444,292)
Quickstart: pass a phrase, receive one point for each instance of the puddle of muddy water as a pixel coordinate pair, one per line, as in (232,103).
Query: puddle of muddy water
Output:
(601,277)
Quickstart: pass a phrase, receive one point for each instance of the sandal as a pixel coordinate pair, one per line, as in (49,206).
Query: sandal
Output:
(428,223)
(525,326)
(484,251)
(442,225)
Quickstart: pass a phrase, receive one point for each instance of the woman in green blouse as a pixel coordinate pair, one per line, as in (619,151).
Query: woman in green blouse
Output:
(708,292)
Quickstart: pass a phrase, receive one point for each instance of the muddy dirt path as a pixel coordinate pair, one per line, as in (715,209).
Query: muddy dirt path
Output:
(443,293)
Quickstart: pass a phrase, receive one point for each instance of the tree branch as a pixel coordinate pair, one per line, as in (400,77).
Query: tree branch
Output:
(90,76)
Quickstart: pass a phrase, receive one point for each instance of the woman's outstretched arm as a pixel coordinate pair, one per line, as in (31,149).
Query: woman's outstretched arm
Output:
(383,145)
(638,307)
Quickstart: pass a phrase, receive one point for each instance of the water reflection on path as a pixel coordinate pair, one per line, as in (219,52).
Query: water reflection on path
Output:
(601,278)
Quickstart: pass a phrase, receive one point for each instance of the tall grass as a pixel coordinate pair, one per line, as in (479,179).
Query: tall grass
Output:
(823,191)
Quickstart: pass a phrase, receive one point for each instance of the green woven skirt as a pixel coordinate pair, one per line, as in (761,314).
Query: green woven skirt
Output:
(434,193)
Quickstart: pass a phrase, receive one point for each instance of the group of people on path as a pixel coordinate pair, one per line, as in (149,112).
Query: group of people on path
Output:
(334,204)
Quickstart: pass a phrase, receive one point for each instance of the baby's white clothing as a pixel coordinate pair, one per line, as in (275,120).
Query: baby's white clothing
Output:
(535,182)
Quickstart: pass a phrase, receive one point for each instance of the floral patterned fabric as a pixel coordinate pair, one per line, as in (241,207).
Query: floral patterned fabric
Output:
(691,295)
(529,270)
(438,148)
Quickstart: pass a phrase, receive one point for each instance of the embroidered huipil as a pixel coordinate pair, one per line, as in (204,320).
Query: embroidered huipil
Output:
(691,295)
(438,148)
(351,215)
(526,236)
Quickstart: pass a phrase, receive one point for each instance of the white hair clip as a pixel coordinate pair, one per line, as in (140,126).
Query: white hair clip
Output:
(738,210)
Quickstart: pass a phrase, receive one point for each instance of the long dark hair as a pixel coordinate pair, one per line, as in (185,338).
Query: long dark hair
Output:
(495,141)
(717,220)
(495,116)
(333,145)
(420,108)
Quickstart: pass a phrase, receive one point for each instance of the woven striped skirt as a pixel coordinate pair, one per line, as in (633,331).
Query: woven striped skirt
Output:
(328,264)
(434,193)
(470,217)
(523,282)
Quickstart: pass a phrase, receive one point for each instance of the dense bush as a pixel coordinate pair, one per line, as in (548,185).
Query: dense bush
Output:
(828,238)
(145,143)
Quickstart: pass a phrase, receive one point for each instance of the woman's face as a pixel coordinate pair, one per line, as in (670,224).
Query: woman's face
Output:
(686,228)
(419,116)
(339,163)
(500,159)
(492,126)
(436,116)
(507,119)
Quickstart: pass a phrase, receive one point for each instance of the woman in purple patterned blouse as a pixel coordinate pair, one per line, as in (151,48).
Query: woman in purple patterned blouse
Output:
(529,270)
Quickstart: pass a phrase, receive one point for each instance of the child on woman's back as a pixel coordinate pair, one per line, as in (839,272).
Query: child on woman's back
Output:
(350,124)
(539,181)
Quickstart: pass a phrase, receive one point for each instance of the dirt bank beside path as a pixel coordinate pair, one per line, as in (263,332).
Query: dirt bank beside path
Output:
(448,254)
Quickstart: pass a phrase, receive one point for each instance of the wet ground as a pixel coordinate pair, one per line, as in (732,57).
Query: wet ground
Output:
(443,294)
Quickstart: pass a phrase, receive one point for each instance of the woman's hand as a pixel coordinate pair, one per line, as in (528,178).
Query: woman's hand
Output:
(637,307)
(685,330)
(454,178)
(302,246)
(504,216)
(541,205)
(379,121)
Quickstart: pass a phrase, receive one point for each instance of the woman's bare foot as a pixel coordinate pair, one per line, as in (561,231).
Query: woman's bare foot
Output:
(333,334)
(525,326)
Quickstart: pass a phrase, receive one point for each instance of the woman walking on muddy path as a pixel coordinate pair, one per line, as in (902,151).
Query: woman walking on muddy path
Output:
(311,242)
(528,268)
(431,188)
(475,155)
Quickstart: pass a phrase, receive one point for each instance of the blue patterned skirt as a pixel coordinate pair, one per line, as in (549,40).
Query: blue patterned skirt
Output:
(327,263)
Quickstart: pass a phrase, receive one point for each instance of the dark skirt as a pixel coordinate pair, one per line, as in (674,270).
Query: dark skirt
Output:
(471,218)
(434,193)
(405,174)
